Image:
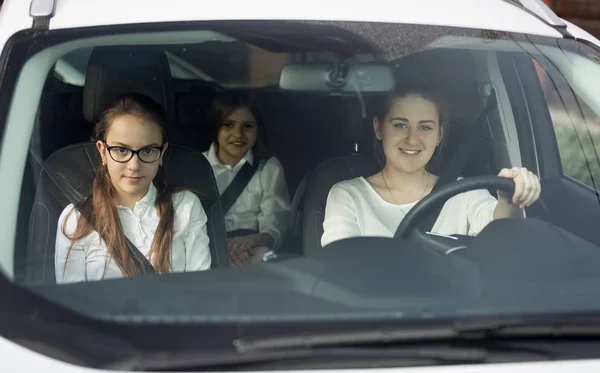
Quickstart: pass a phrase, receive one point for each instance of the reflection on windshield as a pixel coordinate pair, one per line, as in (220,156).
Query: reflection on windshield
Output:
(234,64)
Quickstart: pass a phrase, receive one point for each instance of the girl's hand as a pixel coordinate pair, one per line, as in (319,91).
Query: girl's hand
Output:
(240,259)
(527,186)
(240,249)
(242,243)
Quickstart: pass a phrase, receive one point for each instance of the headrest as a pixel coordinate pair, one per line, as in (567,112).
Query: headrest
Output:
(114,71)
(359,112)
(193,105)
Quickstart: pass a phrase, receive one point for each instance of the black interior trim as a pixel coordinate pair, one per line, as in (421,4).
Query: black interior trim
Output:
(539,114)
(520,109)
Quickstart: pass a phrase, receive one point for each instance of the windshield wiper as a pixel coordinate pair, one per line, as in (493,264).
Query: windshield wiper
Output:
(347,338)
(506,339)
(232,359)
(561,326)
(446,344)
(471,329)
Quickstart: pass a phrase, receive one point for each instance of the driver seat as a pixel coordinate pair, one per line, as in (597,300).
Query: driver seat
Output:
(319,183)
(320,180)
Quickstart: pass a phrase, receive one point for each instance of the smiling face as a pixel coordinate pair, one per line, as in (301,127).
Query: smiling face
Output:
(131,179)
(236,135)
(410,133)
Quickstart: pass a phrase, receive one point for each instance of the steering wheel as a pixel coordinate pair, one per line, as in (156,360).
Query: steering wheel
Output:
(445,244)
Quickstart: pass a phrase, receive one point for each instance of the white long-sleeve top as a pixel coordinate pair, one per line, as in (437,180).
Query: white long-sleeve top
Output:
(89,258)
(264,205)
(355,209)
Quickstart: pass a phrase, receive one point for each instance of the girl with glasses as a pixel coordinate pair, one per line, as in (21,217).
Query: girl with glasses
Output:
(131,201)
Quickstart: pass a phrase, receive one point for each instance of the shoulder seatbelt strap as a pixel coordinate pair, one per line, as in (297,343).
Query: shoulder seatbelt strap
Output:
(460,158)
(237,186)
(140,261)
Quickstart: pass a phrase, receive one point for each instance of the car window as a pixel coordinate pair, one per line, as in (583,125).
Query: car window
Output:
(576,125)
(251,142)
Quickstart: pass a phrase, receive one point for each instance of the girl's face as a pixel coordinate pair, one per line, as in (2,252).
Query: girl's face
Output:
(410,133)
(236,135)
(131,175)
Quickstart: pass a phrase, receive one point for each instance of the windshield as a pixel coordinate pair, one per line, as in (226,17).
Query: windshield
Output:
(309,171)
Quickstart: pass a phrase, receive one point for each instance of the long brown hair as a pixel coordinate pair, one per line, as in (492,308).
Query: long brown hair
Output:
(98,213)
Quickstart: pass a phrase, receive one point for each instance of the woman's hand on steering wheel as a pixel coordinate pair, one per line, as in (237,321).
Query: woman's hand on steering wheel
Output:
(527,186)
(409,228)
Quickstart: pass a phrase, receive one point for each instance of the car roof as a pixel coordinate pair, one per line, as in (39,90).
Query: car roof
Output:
(500,15)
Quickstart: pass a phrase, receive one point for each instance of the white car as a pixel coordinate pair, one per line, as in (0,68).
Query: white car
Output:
(521,87)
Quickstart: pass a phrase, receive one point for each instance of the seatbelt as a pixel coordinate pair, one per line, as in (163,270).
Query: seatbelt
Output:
(460,158)
(142,264)
(237,186)
(297,200)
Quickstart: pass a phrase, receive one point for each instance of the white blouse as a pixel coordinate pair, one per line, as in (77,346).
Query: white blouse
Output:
(354,208)
(89,258)
(264,205)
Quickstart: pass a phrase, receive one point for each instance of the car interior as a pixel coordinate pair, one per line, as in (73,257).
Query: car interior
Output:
(523,290)
(320,137)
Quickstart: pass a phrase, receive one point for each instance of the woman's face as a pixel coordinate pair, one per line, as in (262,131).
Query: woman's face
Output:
(236,135)
(409,133)
(131,178)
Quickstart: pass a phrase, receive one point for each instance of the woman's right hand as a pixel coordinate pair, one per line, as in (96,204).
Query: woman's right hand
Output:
(527,187)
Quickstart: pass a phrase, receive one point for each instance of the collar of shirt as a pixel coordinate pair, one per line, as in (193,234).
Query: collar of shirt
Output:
(147,201)
(214,159)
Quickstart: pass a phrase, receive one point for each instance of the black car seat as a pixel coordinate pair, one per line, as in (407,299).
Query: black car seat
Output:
(298,121)
(311,196)
(60,117)
(113,71)
(192,108)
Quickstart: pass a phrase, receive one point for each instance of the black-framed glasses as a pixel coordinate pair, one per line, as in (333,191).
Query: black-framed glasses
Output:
(122,154)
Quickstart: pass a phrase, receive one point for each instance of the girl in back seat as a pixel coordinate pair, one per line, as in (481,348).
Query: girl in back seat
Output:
(254,195)
(131,201)
(409,126)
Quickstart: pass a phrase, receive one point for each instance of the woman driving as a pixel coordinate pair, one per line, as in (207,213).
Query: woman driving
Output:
(409,126)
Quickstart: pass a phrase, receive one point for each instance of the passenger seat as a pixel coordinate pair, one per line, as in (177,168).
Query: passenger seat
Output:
(113,71)
(60,117)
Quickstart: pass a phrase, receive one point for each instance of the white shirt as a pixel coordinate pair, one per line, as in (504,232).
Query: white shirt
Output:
(355,209)
(89,255)
(264,205)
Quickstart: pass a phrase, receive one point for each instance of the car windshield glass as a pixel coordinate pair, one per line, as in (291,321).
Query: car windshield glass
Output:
(294,171)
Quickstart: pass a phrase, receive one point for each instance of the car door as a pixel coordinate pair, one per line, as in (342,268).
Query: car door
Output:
(559,130)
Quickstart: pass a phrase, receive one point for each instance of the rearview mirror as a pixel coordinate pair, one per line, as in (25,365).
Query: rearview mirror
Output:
(346,78)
